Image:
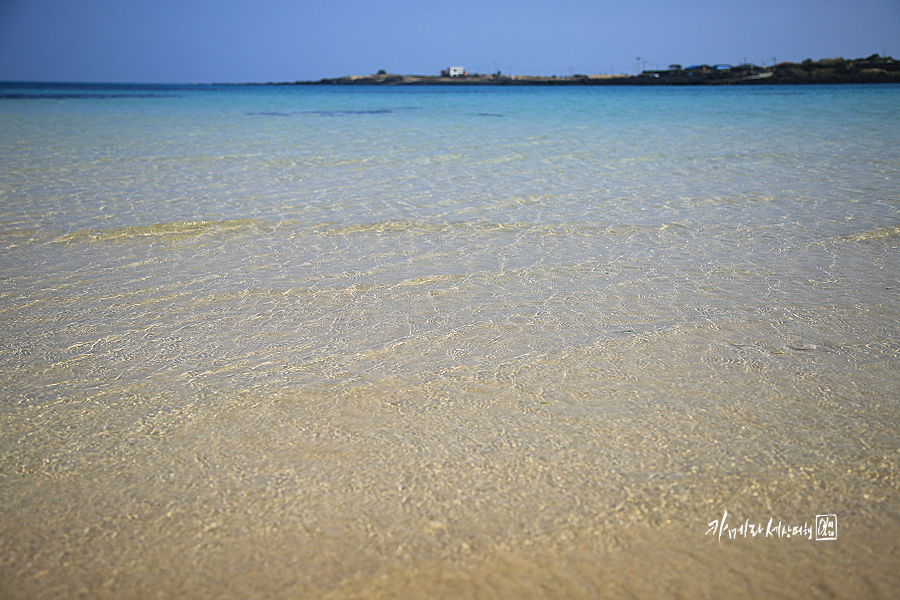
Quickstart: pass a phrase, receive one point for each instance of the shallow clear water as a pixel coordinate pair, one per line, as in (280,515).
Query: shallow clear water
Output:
(283,341)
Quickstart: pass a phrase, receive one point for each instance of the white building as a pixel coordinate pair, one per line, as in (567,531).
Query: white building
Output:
(456,71)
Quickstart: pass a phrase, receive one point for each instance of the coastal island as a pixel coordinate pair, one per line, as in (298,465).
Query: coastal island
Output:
(874,69)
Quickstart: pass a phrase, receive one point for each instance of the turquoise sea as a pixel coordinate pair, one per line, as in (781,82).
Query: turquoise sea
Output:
(449,342)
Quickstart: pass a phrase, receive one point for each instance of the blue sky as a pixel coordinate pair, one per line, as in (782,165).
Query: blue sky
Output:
(182,41)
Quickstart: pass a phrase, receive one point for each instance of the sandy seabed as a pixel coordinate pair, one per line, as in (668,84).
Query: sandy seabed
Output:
(373,492)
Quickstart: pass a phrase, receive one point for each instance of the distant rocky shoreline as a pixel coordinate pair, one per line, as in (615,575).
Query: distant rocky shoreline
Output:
(874,69)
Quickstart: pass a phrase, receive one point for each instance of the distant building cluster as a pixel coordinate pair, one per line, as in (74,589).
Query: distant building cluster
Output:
(454,72)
